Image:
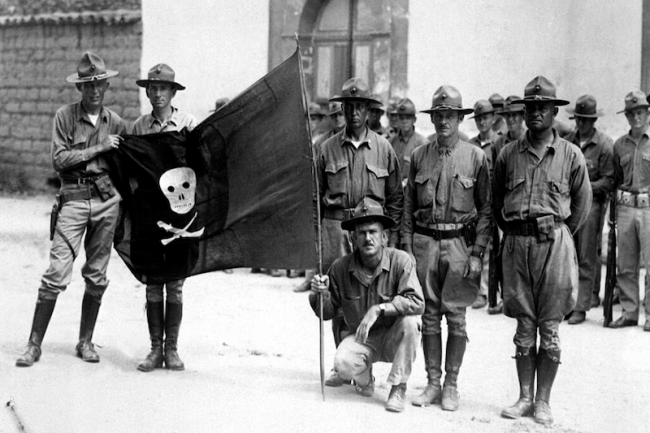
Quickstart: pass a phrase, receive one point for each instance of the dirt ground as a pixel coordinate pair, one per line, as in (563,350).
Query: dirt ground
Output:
(251,350)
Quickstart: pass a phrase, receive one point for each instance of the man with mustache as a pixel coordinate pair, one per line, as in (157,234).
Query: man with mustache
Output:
(378,293)
(446,226)
(163,320)
(542,196)
(353,164)
(83,133)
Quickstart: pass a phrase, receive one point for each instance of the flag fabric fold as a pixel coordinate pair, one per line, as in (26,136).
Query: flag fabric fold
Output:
(234,192)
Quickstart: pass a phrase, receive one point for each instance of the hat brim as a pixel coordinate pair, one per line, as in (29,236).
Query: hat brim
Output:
(459,110)
(634,108)
(349,224)
(483,114)
(520,108)
(557,102)
(572,112)
(354,98)
(75,78)
(145,83)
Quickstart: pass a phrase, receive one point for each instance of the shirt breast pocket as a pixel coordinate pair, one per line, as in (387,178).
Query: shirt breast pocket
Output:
(424,190)
(462,195)
(513,200)
(377,182)
(337,178)
(558,196)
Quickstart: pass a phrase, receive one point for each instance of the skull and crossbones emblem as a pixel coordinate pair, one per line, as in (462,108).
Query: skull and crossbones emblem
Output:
(179,187)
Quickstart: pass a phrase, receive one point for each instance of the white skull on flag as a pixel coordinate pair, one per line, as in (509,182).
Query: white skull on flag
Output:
(179,186)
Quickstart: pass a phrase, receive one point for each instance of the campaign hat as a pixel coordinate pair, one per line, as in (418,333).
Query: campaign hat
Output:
(540,89)
(160,73)
(368,210)
(91,67)
(314,109)
(497,101)
(512,104)
(586,106)
(405,106)
(634,99)
(378,104)
(447,98)
(355,89)
(482,107)
(335,107)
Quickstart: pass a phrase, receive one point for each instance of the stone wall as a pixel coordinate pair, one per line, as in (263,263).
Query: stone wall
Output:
(37,53)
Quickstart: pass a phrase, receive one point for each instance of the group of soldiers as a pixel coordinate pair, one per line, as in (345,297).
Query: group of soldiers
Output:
(406,225)
(407,222)
(89,203)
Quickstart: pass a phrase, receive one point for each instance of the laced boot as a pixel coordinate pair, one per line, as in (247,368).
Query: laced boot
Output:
(396,397)
(173,317)
(547,365)
(89,311)
(156,321)
(42,315)
(432,346)
(453,360)
(525,359)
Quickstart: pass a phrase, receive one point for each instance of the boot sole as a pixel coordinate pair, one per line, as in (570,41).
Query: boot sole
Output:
(22,363)
(421,404)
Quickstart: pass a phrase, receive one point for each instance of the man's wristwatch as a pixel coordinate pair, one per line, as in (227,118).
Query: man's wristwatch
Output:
(476,254)
(382,309)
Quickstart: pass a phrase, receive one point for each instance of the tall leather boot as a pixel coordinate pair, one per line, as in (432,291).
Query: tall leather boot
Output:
(156,321)
(173,317)
(525,358)
(453,360)
(89,311)
(547,364)
(42,315)
(432,347)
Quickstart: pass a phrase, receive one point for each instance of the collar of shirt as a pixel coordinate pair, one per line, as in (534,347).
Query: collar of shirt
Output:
(489,141)
(403,138)
(173,119)
(524,143)
(345,138)
(356,268)
(82,115)
(446,150)
(628,137)
(575,139)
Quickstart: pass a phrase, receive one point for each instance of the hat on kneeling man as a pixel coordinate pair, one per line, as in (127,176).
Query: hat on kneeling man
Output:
(368,210)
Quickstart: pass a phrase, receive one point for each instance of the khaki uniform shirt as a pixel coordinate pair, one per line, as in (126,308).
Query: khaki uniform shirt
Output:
(632,164)
(149,124)
(404,149)
(599,157)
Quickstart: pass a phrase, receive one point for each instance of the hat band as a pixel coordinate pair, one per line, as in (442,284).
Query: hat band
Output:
(101,76)
(539,97)
(446,107)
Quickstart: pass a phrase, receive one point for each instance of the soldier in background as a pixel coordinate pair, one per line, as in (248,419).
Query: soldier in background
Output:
(499,125)
(407,139)
(377,110)
(598,150)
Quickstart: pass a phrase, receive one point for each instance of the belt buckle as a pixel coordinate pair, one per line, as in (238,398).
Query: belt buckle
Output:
(530,231)
(628,199)
(642,200)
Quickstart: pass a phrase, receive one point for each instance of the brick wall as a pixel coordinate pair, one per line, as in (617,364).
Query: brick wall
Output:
(37,53)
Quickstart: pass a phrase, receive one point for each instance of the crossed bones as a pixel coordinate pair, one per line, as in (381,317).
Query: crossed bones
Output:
(179,233)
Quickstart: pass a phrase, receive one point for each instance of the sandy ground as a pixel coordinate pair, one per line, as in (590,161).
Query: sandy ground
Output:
(251,351)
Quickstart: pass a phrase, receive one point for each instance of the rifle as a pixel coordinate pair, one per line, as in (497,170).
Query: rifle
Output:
(610,276)
(494,268)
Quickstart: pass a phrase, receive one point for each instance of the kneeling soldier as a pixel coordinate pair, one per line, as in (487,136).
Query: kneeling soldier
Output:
(377,289)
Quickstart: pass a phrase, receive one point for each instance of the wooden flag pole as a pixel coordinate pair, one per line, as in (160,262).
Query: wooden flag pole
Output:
(318,222)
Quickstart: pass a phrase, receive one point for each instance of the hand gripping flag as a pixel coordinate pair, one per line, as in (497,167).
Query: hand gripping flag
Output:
(234,192)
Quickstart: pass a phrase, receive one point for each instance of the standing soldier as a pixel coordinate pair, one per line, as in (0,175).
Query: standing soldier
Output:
(374,116)
(87,203)
(393,120)
(406,140)
(499,125)
(354,164)
(446,226)
(598,151)
(632,174)
(513,113)
(541,197)
(163,320)
(484,119)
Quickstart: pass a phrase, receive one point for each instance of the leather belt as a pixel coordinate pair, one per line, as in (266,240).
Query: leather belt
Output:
(83,194)
(524,228)
(440,234)
(338,214)
(78,180)
(640,200)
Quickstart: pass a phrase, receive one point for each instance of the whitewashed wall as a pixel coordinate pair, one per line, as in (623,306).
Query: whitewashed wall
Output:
(217,47)
(482,47)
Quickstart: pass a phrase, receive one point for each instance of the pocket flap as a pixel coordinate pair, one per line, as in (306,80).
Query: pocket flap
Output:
(514,183)
(422,178)
(467,182)
(379,172)
(335,167)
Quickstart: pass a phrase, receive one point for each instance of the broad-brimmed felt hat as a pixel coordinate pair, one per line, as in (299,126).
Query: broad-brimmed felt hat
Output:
(160,73)
(368,210)
(634,99)
(481,108)
(354,90)
(335,107)
(392,105)
(540,89)
(586,106)
(405,106)
(447,98)
(314,109)
(512,104)
(377,105)
(496,100)
(90,68)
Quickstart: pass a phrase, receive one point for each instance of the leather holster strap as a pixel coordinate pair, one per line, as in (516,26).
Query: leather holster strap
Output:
(83,194)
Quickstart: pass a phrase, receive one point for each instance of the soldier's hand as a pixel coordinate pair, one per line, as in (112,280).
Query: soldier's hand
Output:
(473,267)
(368,320)
(320,283)
(112,142)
